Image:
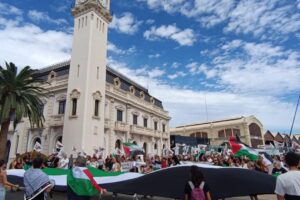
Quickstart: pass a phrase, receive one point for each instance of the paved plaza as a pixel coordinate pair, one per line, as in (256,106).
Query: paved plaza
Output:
(62,196)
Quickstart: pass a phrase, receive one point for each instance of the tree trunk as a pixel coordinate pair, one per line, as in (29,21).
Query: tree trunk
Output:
(3,138)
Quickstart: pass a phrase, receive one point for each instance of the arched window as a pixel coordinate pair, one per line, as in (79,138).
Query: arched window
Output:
(155,146)
(134,142)
(75,94)
(255,135)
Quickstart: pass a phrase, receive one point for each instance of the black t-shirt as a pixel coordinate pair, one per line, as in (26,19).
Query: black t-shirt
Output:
(188,189)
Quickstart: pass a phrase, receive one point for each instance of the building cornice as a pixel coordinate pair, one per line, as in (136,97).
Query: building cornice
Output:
(92,5)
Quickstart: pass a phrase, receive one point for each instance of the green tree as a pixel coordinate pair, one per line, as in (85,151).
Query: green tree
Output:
(20,95)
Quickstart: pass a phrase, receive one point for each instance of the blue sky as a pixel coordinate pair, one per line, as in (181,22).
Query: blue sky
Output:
(241,57)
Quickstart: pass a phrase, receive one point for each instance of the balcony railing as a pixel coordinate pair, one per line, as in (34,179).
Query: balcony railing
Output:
(121,126)
(56,120)
(141,130)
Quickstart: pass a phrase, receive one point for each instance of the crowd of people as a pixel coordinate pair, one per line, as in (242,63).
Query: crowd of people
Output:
(276,166)
(147,164)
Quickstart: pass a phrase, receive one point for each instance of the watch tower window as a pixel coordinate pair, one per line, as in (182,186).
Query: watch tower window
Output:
(74,107)
(96,112)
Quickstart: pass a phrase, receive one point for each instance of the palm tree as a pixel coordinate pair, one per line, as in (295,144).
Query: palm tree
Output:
(19,97)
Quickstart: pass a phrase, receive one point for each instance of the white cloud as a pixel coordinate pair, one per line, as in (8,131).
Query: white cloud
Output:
(157,55)
(266,19)
(181,103)
(30,45)
(232,44)
(184,37)
(37,17)
(126,23)
(6,9)
(254,68)
(167,5)
(263,18)
(114,49)
(175,65)
(176,75)
(150,21)
(156,72)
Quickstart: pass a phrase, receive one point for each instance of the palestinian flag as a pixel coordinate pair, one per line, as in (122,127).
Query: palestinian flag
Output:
(82,182)
(166,183)
(239,149)
(132,149)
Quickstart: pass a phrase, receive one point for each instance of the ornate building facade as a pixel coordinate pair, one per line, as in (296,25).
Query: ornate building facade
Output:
(249,129)
(90,105)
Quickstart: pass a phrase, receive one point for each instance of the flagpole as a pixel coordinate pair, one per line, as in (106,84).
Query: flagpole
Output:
(294,120)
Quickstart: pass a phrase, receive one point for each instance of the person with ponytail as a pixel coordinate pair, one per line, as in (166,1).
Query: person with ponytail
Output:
(196,188)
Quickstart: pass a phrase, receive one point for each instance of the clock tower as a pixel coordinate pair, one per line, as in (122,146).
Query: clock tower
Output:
(84,116)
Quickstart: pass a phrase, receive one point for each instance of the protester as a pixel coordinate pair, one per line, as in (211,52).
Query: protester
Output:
(259,166)
(116,167)
(64,161)
(18,163)
(100,163)
(278,169)
(94,163)
(3,180)
(37,183)
(288,184)
(80,163)
(196,188)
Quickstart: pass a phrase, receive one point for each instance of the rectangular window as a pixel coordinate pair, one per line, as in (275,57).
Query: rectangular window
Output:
(145,122)
(61,107)
(119,115)
(164,128)
(74,107)
(96,113)
(155,126)
(135,119)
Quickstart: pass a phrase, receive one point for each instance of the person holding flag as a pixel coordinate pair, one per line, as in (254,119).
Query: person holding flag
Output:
(81,184)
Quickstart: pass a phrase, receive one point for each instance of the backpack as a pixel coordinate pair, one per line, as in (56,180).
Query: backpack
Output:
(197,193)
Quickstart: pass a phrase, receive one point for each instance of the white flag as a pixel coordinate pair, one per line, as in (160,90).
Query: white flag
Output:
(37,147)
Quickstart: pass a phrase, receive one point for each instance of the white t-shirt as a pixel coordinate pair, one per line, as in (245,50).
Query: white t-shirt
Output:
(63,163)
(288,183)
